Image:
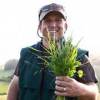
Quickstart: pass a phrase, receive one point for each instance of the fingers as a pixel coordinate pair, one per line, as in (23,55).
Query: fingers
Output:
(61,93)
(61,83)
(62,78)
(64,91)
(64,86)
(60,89)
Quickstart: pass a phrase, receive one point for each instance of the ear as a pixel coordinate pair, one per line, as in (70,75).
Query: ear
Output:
(66,26)
(39,26)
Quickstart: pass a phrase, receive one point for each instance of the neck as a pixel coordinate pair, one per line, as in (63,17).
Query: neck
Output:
(46,43)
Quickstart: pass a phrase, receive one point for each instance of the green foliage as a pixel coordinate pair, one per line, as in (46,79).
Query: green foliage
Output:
(3,87)
(4,82)
(62,60)
(80,73)
(6,75)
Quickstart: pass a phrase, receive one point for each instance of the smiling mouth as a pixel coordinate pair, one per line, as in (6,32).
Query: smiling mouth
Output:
(52,31)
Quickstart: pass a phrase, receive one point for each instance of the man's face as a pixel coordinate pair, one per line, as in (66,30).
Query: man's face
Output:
(53,24)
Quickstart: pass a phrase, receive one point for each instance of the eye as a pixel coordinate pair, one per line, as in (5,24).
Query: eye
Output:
(58,20)
(47,20)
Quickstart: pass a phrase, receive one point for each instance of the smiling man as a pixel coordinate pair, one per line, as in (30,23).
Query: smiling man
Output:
(44,85)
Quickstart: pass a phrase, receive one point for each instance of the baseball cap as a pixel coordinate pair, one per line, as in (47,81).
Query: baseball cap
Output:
(53,7)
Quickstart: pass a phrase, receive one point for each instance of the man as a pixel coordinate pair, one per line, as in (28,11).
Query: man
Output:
(32,81)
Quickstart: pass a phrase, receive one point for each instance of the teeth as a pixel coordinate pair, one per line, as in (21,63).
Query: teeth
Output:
(52,31)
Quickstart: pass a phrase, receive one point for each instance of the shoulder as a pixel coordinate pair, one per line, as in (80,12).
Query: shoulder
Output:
(26,50)
(82,53)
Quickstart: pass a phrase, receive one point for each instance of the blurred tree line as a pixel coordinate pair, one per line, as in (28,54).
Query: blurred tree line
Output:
(10,64)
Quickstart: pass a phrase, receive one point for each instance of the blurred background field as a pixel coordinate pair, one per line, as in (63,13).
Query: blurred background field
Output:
(6,73)
(5,77)
(3,97)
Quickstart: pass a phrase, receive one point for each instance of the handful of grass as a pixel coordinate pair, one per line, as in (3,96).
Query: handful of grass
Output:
(62,59)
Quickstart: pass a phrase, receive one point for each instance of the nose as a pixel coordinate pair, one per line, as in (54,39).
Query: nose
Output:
(52,25)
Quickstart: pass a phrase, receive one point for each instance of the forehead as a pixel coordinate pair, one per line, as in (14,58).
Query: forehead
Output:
(54,14)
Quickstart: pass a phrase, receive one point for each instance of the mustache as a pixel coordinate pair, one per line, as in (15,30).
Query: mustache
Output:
(52,28)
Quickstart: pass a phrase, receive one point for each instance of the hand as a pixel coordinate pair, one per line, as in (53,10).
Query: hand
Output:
(66,86)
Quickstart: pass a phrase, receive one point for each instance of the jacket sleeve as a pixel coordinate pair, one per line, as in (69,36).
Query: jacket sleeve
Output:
(86,67)
(23,53)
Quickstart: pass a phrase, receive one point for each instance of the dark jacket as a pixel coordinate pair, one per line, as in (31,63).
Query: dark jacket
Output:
(35,81)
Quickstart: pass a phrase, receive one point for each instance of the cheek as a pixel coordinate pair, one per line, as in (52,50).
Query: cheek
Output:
(43,30)
(61,29)
(60,34)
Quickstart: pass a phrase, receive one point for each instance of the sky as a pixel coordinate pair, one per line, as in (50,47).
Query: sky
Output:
(19,21)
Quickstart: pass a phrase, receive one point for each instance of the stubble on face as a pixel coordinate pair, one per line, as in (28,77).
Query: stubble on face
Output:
(53,26)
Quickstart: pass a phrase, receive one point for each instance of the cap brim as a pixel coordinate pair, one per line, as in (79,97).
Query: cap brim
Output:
(44,14)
